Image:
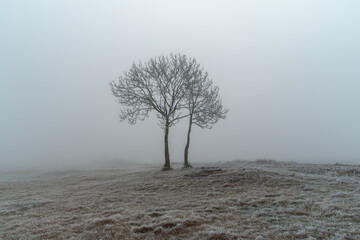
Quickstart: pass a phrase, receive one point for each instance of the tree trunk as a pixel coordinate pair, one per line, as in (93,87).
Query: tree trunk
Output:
(167,154)
(186,152)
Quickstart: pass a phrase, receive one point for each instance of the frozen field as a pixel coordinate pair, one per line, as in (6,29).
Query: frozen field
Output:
(235,200)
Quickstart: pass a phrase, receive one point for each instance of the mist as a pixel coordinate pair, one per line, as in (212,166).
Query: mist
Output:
(288,71)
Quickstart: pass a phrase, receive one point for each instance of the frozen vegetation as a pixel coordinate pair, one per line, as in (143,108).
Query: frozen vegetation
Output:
(234,200)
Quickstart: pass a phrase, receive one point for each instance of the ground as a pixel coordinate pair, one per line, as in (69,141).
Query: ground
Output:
(233,200)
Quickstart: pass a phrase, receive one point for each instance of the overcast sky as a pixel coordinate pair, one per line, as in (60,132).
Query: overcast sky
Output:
(289,71)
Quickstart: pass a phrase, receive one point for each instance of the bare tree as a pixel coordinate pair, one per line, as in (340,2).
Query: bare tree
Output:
(160,85)
(203,103)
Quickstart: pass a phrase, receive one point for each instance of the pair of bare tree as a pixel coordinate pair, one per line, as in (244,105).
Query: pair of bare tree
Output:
(176,87)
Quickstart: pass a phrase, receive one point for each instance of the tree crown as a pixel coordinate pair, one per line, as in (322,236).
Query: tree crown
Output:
(168,85)
(159,84)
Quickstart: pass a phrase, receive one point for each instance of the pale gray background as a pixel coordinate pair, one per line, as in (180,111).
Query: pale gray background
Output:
(289,71)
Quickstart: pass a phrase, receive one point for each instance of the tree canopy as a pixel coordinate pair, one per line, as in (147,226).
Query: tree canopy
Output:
(175,87)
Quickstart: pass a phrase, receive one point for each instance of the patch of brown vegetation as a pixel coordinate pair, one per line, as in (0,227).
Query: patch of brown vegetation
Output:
(220,236)
(142,229)
(159,230)
(169,225)
(155,214)
(103,222)
(191,223)
(204,172)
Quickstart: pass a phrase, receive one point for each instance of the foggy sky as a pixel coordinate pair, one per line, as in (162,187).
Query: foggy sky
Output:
(289,72)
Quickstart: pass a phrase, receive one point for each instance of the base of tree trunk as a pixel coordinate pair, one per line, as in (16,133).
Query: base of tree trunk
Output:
(166,168)
(187,166)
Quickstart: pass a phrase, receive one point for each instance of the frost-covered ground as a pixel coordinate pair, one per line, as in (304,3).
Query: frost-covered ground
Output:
(235,200)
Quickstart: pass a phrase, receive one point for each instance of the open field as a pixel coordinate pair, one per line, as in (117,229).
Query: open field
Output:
(234,200)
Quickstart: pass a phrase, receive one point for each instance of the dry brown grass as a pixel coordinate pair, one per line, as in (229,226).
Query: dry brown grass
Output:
(235,200)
